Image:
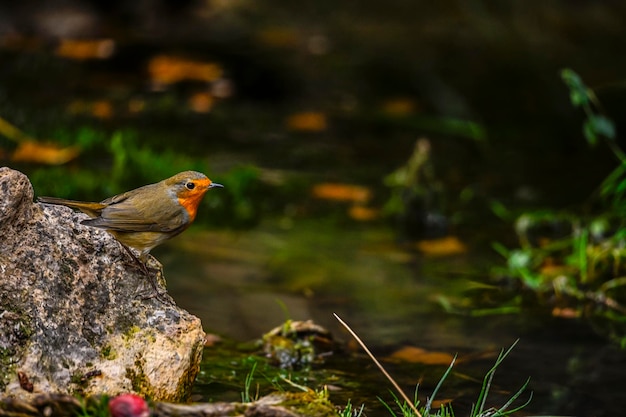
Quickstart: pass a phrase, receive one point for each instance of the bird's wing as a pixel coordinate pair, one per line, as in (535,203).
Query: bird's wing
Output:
(123,225)
(124,214)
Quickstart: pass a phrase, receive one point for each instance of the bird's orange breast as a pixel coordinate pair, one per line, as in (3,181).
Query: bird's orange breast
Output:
(190,199)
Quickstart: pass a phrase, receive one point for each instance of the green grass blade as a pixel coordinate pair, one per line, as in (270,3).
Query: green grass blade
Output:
(434,394)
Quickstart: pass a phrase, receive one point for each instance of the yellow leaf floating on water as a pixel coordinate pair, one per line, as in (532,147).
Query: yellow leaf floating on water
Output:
(341,192)
(418,355)
(307,122)
(446,246)
(83,49)
(44,153)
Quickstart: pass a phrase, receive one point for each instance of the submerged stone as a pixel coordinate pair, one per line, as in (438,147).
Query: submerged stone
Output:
(296,344)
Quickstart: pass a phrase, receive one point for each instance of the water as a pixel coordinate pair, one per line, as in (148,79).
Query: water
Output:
(243,284)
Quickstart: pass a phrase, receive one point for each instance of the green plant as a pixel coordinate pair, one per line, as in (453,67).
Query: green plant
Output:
(94,406)
(246,396)
(350,411)
(478,410)
(596,127)
(413,408)
(577,261)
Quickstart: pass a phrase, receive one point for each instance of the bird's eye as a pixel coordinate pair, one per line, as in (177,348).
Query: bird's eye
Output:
(190,185)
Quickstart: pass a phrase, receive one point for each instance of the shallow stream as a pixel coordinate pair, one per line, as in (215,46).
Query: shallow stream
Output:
(243,284)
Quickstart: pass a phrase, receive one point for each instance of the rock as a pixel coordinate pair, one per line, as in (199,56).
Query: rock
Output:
(296,344)
(72,319)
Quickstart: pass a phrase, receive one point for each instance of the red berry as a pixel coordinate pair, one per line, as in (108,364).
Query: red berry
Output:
(128,405)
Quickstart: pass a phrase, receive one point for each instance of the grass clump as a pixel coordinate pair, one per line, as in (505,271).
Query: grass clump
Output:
(573,264)
(413,408)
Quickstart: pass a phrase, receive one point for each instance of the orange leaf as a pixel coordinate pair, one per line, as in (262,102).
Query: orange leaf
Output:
(102,109)
(552,269)
(80,49)
(566,313)
(201,102)
(168,70)
(417,355)
(50,154)
(399,107)
(362,213)
(307,122)
(439,403)
(341,192)
(446,246)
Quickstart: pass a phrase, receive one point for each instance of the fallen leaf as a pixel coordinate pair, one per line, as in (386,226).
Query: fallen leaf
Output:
(552,269)
(418,355)
(307,122)
(81,49)
(341,192)
(201,102)
(101,109)
(566,313)
(399,107)
(437,404)
(43,153)
(362,213)
(167,70)
(446,246)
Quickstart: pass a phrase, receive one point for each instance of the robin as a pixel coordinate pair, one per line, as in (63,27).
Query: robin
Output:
(147,216)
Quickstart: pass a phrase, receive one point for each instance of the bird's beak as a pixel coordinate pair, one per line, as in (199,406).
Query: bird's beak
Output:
(214,184)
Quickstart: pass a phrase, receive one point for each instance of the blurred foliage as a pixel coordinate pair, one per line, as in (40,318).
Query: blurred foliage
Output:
(417,202)
(575,264)
(242,205)
(598,127)
(121,162)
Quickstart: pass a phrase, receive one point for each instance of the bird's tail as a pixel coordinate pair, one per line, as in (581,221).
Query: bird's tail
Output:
(91,209)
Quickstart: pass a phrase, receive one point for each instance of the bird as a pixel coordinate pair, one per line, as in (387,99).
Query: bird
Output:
(146,216)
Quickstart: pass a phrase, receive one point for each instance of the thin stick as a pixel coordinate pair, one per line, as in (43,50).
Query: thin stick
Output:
(395,385)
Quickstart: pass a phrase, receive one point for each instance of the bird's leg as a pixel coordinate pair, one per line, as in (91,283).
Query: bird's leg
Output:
(141,265)
(144,268)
